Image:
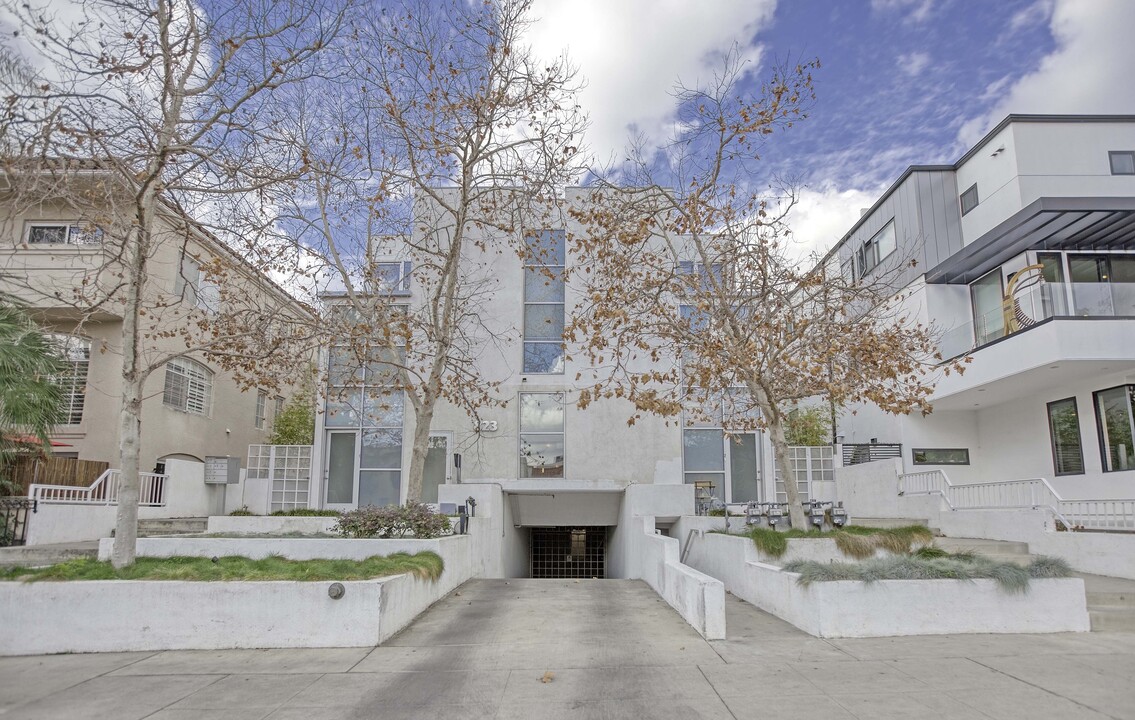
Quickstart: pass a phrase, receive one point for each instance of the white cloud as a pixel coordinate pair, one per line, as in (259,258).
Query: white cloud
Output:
(631,53)
(912,64)
(822,216)
(916,10)
(1090,71)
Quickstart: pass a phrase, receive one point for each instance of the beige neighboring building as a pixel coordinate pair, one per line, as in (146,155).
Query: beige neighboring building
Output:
(56,258)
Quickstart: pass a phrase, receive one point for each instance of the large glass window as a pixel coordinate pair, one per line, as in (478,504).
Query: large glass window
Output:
(541,435)
(1103,285)
(987,296)
(363,395)
(1064,429)
(75,353)
(544,302)
(188,386)
(1116,424)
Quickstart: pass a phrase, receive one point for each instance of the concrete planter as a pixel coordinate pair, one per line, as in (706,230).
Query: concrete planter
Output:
(889,607)
(127,615)
(270,525)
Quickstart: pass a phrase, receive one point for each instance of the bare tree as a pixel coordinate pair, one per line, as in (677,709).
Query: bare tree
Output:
(695,268)
(437,146)
(145,120)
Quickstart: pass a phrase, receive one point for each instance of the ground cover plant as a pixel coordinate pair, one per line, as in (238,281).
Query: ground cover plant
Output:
(425,565)
(853,540)
(1010,577)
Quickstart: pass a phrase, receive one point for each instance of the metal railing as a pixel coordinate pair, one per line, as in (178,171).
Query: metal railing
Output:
(14,512)
(857,453)
(104,491)
(1028,493)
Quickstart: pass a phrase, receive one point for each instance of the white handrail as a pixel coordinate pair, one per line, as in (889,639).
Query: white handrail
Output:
(1035,493)
(104,490)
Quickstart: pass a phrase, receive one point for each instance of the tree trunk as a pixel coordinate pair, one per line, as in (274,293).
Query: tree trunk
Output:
(130,435)
(422,422)
(784,465)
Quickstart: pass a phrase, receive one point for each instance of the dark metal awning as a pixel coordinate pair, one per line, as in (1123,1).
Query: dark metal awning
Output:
(1092,223)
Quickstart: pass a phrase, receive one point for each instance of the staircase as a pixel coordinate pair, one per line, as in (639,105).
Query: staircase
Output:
(162,527)
(1111,601)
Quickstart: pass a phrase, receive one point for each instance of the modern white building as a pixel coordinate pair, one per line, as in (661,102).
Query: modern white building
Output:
(562,471)
(1024,258)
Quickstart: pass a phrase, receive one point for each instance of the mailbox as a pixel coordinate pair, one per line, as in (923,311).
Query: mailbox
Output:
(222,470)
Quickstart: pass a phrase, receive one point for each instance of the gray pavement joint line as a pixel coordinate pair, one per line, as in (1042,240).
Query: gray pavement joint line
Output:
(93,677)
(1050,692)
(715,692)
(196,690)
(846,652)
(504,691)
(364,657)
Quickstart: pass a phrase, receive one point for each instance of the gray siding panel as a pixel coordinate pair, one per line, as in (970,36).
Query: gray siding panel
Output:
(927,226)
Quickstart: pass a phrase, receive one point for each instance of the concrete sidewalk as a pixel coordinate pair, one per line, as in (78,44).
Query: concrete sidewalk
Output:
(608,649)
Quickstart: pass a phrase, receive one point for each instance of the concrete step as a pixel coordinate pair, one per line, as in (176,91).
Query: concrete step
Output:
(890,522)
(1112,619)
(982,546)
(172,526)
(40,555)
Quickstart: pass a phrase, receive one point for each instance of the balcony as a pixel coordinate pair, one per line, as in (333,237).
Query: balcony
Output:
(1042,303)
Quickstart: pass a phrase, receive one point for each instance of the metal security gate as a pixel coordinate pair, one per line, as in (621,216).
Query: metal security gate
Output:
(567,552)
(289,469)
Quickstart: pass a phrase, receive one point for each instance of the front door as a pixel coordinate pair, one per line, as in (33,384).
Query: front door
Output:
(437,466)
(744,453)
(341,481)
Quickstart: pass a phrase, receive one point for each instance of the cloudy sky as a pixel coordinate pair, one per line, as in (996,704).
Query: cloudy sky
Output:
(902,81)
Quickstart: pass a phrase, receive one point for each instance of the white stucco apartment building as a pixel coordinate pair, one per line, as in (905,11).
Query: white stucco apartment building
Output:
(1024,255)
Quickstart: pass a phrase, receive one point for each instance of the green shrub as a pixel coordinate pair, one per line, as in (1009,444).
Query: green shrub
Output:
(242,511)
(392,522)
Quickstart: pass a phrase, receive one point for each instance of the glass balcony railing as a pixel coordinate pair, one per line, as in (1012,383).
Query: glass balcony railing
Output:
(1040,303)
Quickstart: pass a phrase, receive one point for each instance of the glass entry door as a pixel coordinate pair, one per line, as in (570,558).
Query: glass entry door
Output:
(341,480)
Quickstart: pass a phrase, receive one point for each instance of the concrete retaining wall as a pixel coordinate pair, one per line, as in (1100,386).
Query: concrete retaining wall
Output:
(109,616)
(889,607)
(271,525)
(698,598)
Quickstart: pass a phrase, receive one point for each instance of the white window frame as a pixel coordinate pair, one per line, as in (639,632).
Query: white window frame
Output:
(73,233)
(193,287)
(195,395)
(261,409)
(542,264)
(562,433)
(402,276)
(75,353)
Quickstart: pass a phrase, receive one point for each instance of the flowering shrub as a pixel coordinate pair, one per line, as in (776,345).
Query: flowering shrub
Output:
(413,519)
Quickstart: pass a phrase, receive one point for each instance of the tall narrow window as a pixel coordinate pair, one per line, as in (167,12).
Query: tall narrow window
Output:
(279,409)
(75,353)
(188,386)
(541,435)
(988,317)
(1064,429)
(261,409)
(1116,425)
(544,302)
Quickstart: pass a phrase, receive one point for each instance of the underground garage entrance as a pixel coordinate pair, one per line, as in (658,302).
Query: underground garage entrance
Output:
(568,552)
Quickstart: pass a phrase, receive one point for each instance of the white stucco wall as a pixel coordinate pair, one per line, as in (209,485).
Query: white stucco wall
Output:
(889,607)
(271,525)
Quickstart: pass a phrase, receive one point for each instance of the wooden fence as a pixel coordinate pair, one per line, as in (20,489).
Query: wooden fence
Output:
(54,471)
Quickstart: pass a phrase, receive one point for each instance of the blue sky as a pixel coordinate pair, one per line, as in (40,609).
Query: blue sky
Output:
(903,81)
